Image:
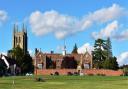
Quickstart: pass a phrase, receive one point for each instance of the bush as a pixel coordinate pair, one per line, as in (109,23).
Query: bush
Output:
(90,74)
(51,74)
(103,75)
(40,79)
(100,74)
(69,73)
(56,73)
(76,73)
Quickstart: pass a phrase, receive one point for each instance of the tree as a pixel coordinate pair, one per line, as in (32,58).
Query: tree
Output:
(109,47)
(49,63)
(98,53)
(23,61)
(111,63)
(115,65)
(75,49)
(125,69)
(69,63)
(26,64)
(17,54)
(102,55)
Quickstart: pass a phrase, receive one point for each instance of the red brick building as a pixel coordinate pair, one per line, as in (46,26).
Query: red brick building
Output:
(42,60)
(84,64)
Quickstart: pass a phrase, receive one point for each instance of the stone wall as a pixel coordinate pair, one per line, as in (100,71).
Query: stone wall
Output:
(84,71)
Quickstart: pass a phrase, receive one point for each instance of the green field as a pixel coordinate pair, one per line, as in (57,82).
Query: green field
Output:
(65,82)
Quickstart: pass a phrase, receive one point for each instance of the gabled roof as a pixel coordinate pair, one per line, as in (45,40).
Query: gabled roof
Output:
(9,60)
(56,56)
(2,63)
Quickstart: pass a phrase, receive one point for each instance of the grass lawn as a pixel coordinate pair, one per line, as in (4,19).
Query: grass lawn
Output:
(65,82)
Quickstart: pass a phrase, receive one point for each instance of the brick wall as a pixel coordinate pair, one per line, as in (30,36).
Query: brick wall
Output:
(84,71)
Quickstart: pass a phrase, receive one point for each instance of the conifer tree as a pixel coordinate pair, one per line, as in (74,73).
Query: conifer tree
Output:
(75,49)
(109,47)
(102,55)
(98,53)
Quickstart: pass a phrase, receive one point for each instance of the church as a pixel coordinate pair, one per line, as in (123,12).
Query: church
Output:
(46,61)
(19,39)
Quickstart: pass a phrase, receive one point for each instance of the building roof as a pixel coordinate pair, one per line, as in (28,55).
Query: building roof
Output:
(56,56)
(9,60)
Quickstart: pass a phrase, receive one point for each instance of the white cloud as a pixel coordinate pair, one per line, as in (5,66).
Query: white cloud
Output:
(106,14)
(108,31)
(52,21)
(122,36)
(123,58)
(85,47)
(62,25)
(3,16)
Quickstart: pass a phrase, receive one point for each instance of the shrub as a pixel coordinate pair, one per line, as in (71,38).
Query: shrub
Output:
(69,73)
(100,74)
(90,74)
(40,79)
(56,73)
(51,74)
(76,73)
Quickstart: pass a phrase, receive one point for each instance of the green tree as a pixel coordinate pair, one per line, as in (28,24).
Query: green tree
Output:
(98,53)
(109,47)
(49,63)
(125,69)
(75,49)
(27,65)
(102,55)
(23,61)
(69,63)
(111,63)
(115,65)
(17,54)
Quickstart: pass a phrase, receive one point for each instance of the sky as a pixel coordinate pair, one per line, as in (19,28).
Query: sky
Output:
(51,23)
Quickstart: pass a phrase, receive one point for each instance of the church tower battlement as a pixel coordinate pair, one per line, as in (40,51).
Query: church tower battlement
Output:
(20,38)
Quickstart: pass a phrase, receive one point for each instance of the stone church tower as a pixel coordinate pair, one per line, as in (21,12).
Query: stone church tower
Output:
(20,38)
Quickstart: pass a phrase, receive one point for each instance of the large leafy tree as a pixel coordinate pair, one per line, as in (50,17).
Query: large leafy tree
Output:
(49,63)
(23,61)
(75,49)
(69,63)
(27,64)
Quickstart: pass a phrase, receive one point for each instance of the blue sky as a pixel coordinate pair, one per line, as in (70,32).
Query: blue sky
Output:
(49,22)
